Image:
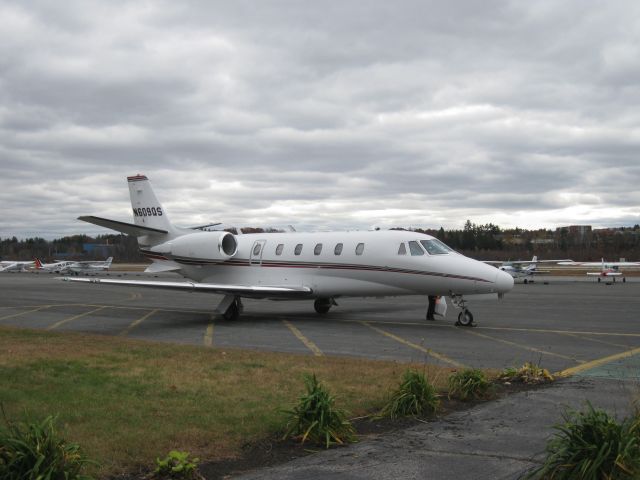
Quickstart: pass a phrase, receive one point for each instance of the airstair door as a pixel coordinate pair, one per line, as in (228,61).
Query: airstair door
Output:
(255,259)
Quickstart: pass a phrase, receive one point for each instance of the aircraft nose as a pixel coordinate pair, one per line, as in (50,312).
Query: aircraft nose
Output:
(504,281)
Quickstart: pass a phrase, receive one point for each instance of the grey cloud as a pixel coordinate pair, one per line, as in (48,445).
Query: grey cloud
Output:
(337,114)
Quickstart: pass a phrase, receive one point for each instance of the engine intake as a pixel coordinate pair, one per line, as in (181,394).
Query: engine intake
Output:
(203,245)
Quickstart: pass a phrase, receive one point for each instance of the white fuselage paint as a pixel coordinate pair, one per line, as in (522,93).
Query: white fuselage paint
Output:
(378,271)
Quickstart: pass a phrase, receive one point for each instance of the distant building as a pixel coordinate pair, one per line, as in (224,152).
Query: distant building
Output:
(98,250)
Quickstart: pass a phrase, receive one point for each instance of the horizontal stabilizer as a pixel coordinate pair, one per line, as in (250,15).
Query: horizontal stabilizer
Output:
(128,228)
(257,291)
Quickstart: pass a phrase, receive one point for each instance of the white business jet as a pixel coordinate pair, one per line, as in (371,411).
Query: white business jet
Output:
(607,269)
(319,266)
(15,266)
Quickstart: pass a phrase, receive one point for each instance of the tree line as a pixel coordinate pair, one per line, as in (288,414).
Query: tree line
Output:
(485,242)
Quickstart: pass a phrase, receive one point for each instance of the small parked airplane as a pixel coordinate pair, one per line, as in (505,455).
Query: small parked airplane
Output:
(15,266)
(59,266)
(320,266)
(607,269)
(90,266)
(517,268)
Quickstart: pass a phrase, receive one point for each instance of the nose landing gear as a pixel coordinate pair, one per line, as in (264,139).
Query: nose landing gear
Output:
(465,317)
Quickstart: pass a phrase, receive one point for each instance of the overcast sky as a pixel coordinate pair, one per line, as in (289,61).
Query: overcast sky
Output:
(337,114)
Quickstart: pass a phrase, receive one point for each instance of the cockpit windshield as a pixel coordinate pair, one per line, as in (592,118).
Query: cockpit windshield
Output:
(435,247)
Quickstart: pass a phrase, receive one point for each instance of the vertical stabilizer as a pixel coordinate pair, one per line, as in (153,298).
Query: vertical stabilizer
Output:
(147,211)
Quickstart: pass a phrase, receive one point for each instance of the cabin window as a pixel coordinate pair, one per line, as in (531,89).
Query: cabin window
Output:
(338,249)
(318,249)
(279,249)
(359,249)
(415,249)
(402,250)
(298,249)
(435,247)
(256,249)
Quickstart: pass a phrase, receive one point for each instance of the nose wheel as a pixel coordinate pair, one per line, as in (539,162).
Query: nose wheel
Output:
(465,319)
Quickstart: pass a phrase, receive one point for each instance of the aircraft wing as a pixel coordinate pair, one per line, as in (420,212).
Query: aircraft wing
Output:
(7,266)
(258,291)
(599,264)
(128,228)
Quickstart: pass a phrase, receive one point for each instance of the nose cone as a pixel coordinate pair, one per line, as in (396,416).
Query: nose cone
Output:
(504,282)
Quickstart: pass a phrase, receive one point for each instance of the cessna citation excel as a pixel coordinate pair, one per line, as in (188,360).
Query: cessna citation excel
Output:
(292,266)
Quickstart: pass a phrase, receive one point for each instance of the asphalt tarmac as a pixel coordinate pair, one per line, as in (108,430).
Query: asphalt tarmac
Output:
(561,325)
(585,330)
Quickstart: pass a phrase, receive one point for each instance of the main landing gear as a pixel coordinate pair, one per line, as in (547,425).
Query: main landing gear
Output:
(323,305)
(465,317)
(230,307)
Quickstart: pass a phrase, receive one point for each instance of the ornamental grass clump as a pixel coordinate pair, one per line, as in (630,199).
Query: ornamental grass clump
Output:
(415,396)
(177,465)
(34,450)
(469,384)
(317,419)
(529,373)
(591,444)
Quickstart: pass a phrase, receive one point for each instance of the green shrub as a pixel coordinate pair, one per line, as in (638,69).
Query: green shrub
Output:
(469,384)
(415,396)
(316,418)
(592,445)
(529,373)
(177,465)
(33,450)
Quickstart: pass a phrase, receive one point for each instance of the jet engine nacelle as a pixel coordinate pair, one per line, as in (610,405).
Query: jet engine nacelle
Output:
(206,245)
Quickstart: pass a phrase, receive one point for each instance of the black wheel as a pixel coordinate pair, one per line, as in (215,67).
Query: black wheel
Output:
(465,318)
(624,280)
(599,279)
(233,312)
(526,281)
(322,305)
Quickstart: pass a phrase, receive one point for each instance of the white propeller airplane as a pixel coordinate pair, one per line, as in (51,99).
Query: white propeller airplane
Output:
(89,266)
(59,266)
(319,266)
(607,269)
(15,266)
(517,269)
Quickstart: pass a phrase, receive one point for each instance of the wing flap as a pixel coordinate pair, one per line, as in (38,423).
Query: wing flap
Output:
(128,228)
(259,291)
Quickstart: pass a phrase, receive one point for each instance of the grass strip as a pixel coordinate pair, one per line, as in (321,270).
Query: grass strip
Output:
(127,401)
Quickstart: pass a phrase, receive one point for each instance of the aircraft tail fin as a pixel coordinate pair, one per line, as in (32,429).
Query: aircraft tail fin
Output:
(108,261)
(147,211)
(38,263)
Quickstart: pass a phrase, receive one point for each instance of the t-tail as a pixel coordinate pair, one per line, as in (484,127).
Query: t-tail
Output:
(150,221)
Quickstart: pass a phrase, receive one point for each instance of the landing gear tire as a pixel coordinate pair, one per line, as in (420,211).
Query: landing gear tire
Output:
(465,319)
(599,279)
(233,312)
(624,280)
(322,305)
(526,281)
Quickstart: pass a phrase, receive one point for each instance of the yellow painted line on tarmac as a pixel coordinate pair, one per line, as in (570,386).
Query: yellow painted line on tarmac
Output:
(519,345)
(596,340)
(415,346)
(598,362)
(135,323)
(577,332)
(308,343)
(208,334)
(13,315)
(71,319)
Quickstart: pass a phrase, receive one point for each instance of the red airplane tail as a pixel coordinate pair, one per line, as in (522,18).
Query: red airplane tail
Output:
(38,263)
